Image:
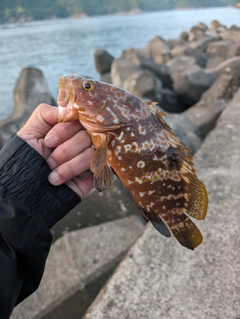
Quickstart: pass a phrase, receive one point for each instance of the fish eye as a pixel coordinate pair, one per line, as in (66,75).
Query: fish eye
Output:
(89,85)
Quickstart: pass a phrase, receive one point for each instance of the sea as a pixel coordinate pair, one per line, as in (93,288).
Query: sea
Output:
(67,46)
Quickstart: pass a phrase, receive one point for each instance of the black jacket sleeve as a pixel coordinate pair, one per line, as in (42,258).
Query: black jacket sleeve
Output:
(29,207)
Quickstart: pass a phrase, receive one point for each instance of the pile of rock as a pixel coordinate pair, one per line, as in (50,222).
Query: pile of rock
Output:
(195,75)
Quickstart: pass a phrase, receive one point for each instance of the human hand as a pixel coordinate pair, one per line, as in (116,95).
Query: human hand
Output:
(65,146)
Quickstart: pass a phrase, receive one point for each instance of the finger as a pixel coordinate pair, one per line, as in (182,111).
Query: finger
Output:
(71,168)
(39,123)
(69,149)
(82,184)
(62,132)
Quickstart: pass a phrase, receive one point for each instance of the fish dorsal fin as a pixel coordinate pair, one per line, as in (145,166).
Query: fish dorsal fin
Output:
(102,172)
(196,194)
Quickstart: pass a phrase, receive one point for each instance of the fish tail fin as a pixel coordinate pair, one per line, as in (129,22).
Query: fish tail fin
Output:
(187,234)
(183,229)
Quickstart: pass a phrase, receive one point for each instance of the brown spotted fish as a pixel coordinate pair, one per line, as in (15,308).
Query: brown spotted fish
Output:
(133,141)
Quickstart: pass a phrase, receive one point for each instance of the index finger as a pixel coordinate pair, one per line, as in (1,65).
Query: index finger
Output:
(62,132)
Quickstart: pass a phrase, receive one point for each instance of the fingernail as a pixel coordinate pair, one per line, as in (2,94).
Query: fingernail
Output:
(51,140)
(52,164)
(54,178)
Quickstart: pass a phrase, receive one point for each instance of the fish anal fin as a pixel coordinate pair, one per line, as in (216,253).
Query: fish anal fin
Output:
(158,223)
(102,172)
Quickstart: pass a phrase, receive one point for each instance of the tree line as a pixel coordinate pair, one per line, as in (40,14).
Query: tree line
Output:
(21,10)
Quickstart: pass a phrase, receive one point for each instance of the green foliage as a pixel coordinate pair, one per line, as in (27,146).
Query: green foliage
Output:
(15,10)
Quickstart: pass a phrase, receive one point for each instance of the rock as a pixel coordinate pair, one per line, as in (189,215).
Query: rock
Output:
(195,34)
(170,103)
(144,85)
(176,42)
(202,26)
(192,125)
(202,44)
(230,66)
(196,49)
(160,279)
(234,28)
(219,48)
(137,60)
(224,88)
(78,266)
(97,208)
(214,61)
(216,25)
(159,50)
(31,90)
(195,123)
(231,36)
(179,50)
(234,50)
(103,61)
(161,71)
(184,36)
(121,69)
(189,80)
(212,33)
(185,131)
(106,77)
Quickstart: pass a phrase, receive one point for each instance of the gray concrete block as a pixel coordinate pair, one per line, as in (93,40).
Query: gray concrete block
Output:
(161,279)
(78,266)
(97,208)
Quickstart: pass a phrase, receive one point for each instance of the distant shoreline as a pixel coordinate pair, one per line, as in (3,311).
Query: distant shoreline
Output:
(131,12)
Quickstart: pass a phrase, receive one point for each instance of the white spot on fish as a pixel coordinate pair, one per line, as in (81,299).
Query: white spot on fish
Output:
(141,164)
(117,150)
(100,118)
(120,136)
(127,147)
(142,130)
(142,194)
(151,192)
(149,206)
(138,180)
(123,169)
(132,134)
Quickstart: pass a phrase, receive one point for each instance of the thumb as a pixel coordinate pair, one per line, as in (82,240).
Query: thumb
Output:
(40,122)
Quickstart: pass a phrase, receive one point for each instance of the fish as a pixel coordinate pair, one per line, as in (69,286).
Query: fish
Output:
(132,141)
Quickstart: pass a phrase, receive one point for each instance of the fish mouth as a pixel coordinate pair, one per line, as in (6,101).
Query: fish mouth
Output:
(66,100)
(67,113)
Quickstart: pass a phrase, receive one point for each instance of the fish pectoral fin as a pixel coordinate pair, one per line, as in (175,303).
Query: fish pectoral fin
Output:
(102,172)
(158,223)
(104,180)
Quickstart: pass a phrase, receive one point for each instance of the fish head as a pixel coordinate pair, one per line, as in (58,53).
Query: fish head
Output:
(98,105)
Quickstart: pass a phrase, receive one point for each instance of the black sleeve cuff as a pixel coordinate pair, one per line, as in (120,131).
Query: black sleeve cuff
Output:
(24,173)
